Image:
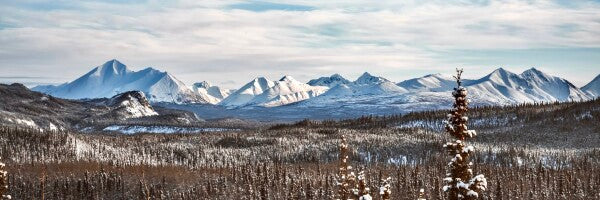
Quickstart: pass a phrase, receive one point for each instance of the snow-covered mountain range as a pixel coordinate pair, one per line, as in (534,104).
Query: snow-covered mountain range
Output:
(113,78)
(532,85)
(285,91)
(500,87)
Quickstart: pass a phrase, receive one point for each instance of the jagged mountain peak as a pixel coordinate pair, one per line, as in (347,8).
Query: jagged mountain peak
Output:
(431,82)
(501,70)
(131,104)
(593,87)
(129,95)
(287,90)
(213,94)
(366,75)
(247,92)
(535,73)
(287,78)
(502,76)
(259,80)
(534,70)
(367,78)
(110,68)
(203,84)
(331,81)
(336,75)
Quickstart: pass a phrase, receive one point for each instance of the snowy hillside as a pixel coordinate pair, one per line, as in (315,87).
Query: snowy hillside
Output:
(113,77)
(285,91)
(330,82)
(247,92)
(19,106)
(213,94)
(131,104)
(593,87)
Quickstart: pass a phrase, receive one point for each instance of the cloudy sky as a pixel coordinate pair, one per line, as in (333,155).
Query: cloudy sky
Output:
(230,42)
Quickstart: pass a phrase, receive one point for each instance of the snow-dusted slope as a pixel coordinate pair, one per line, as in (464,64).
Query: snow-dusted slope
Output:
(285,91)
(131,104)
(504,87)
(432,83)
(247,92)
(213,94)
(593,87)
(23,107)
(331,81)
(113,77)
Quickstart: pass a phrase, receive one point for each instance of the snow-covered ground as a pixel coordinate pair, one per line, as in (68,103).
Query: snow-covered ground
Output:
(161,129)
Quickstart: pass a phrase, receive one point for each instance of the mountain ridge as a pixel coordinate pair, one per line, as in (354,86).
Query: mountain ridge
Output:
(500,87)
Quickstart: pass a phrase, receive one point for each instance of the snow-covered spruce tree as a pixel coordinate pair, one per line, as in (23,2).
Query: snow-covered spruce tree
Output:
(362,192)
(385,191)
(349,185)
(3,182)
(421,194)
(459,181)
(345,176)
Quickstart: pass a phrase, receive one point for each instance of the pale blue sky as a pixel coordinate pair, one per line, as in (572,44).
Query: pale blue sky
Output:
(230,42)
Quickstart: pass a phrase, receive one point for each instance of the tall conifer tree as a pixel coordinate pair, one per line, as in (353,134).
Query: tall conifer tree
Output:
(459,181)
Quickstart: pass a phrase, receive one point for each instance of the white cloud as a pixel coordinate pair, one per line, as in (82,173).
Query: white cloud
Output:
(209,41)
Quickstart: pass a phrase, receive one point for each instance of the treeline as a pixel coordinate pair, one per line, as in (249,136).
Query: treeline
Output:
(285,181)
(485,116)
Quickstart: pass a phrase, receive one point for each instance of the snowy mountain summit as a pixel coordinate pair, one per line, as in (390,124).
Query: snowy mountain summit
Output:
(432,82)
(331,81)
(212,94)
(285,91)
(247,92)
(593,88)
(367,78)
(113,77)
